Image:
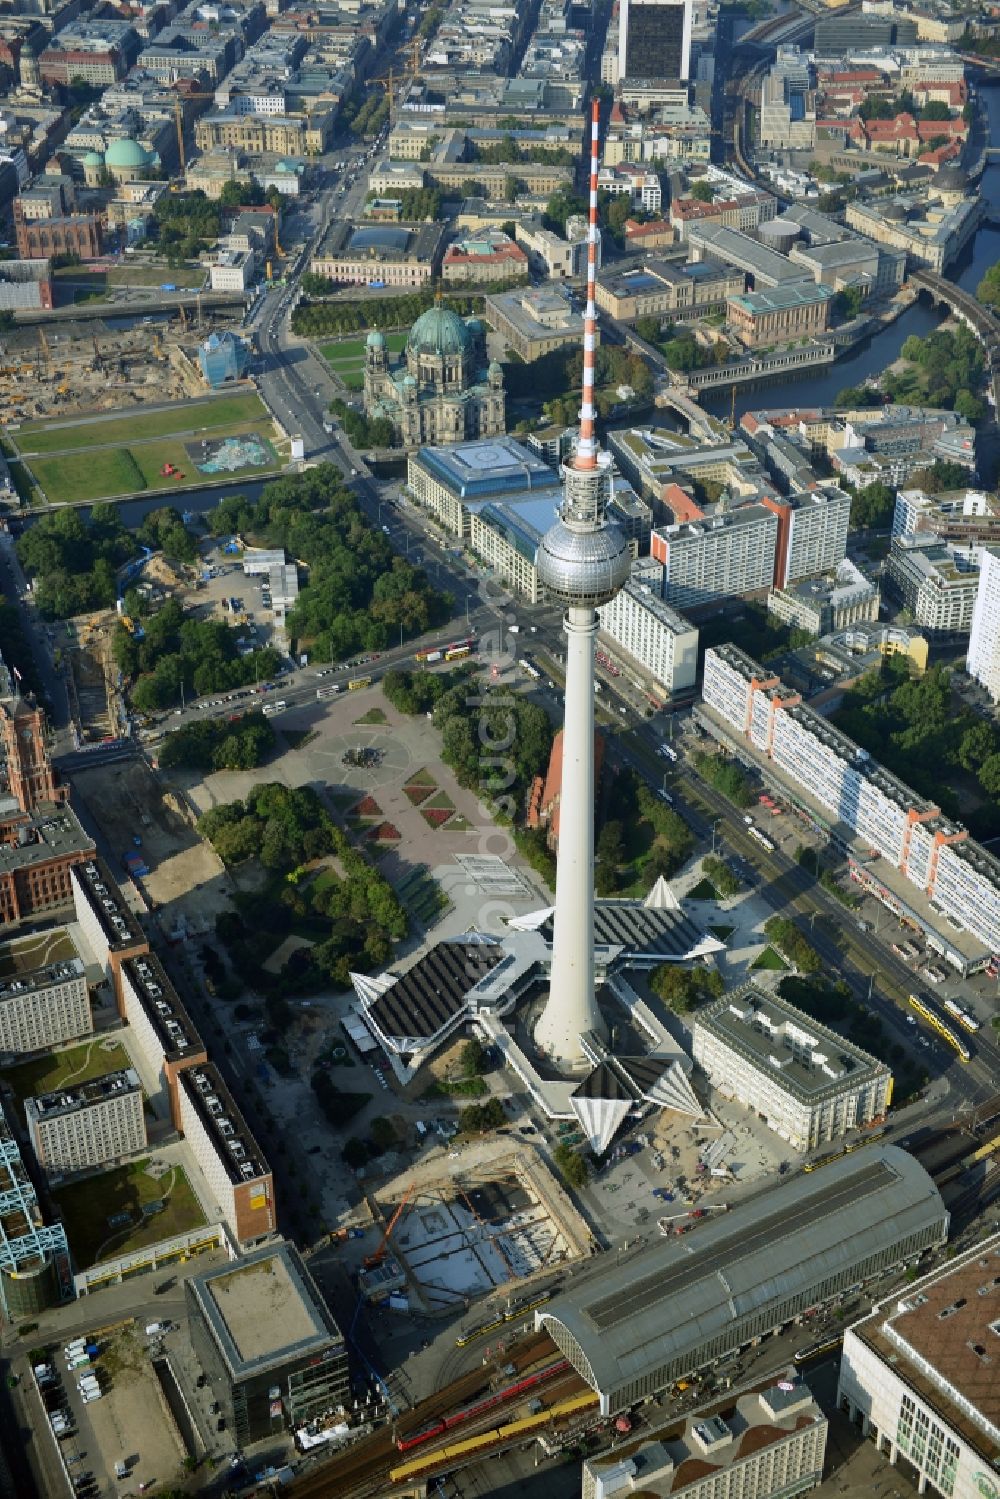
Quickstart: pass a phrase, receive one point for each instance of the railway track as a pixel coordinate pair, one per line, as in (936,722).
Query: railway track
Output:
(363,1469)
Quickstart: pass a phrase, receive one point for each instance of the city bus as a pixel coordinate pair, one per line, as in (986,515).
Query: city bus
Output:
(356,683)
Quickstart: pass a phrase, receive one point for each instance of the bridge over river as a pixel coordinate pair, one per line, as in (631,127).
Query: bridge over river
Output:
(983,323)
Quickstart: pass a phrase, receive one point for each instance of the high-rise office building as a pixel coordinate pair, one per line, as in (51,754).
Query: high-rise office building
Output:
(654,39)
(983,660)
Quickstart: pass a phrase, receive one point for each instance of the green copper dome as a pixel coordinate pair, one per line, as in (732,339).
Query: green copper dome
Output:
(127,153)
(439,331)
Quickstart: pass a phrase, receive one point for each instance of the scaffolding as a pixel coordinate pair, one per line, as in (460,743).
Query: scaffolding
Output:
(24,1239)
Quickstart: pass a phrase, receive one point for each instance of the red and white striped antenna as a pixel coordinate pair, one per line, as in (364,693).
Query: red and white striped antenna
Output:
(586,453)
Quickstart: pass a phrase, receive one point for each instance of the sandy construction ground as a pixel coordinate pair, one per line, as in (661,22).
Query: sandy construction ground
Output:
(186,878)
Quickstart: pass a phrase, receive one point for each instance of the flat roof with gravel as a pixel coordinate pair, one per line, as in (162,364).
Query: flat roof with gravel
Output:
(265,1310)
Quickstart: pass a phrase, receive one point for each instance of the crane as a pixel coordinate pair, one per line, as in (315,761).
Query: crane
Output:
(371,1260)
(386,80)
(179,122)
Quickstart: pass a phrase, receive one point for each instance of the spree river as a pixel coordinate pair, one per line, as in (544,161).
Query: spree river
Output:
(877,353)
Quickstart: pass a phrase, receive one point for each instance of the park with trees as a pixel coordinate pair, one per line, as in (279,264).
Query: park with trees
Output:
(358,595)
(917,729)
(73,560)
(179,657)
(316,885)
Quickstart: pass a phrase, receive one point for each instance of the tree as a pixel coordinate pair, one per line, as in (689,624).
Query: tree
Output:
(473,1059)
(702,192)
(480,1118)
(976,747)
(873,505)
(973,408)
(935,109)
(857,396)
(849,302)
(939,476)
(988,290)
(572,1166)
(989,775)
(383,1132)
(718,872)
(685,988)
(648,328)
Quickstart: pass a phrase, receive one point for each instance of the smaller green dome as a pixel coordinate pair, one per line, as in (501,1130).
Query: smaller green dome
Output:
(93,159)
(375,339)
(127,153)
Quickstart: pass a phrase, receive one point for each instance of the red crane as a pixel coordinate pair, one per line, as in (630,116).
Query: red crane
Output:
(371,1260)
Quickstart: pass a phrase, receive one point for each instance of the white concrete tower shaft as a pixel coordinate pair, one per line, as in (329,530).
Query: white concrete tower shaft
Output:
(583,562)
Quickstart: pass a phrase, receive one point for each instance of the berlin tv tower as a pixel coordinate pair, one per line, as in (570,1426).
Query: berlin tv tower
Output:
(582,561)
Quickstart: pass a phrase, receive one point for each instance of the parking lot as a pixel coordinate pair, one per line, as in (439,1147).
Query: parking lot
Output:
(107,1409)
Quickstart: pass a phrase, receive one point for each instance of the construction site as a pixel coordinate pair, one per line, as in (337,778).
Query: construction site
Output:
(93,366)
(498,1226)
(183,874)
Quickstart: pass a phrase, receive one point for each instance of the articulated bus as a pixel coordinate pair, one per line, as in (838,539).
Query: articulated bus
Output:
(927,1012)
(357,683)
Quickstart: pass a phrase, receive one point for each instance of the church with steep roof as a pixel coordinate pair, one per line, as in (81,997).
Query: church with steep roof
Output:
(444,389)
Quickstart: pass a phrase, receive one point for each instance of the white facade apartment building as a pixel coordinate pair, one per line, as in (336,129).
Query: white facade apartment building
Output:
(44,1007)
(770,1445)
(983,660)
(808,1084)
(99,1121)
(656,636)
(959,877)
(709,559)
(227,1154)
(936,582)
(918,1376)
(816,537)
(161,1034)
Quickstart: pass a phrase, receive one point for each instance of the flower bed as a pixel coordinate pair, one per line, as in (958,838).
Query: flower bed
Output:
(435,817)
(417,794)
(366,807)
(386,832)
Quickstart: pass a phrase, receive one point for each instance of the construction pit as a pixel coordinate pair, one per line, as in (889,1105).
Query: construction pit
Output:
(184,876)
(480,1231)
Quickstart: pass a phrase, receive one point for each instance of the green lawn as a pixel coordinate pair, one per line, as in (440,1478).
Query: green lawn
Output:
(29,953)
(76,1065)
(421,777)
(771,960)
(722,932)
(102,472)
(86,1207)
(373,716)
(57,437)
(105,471)
(133,275)
(704,890)
(352,350)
